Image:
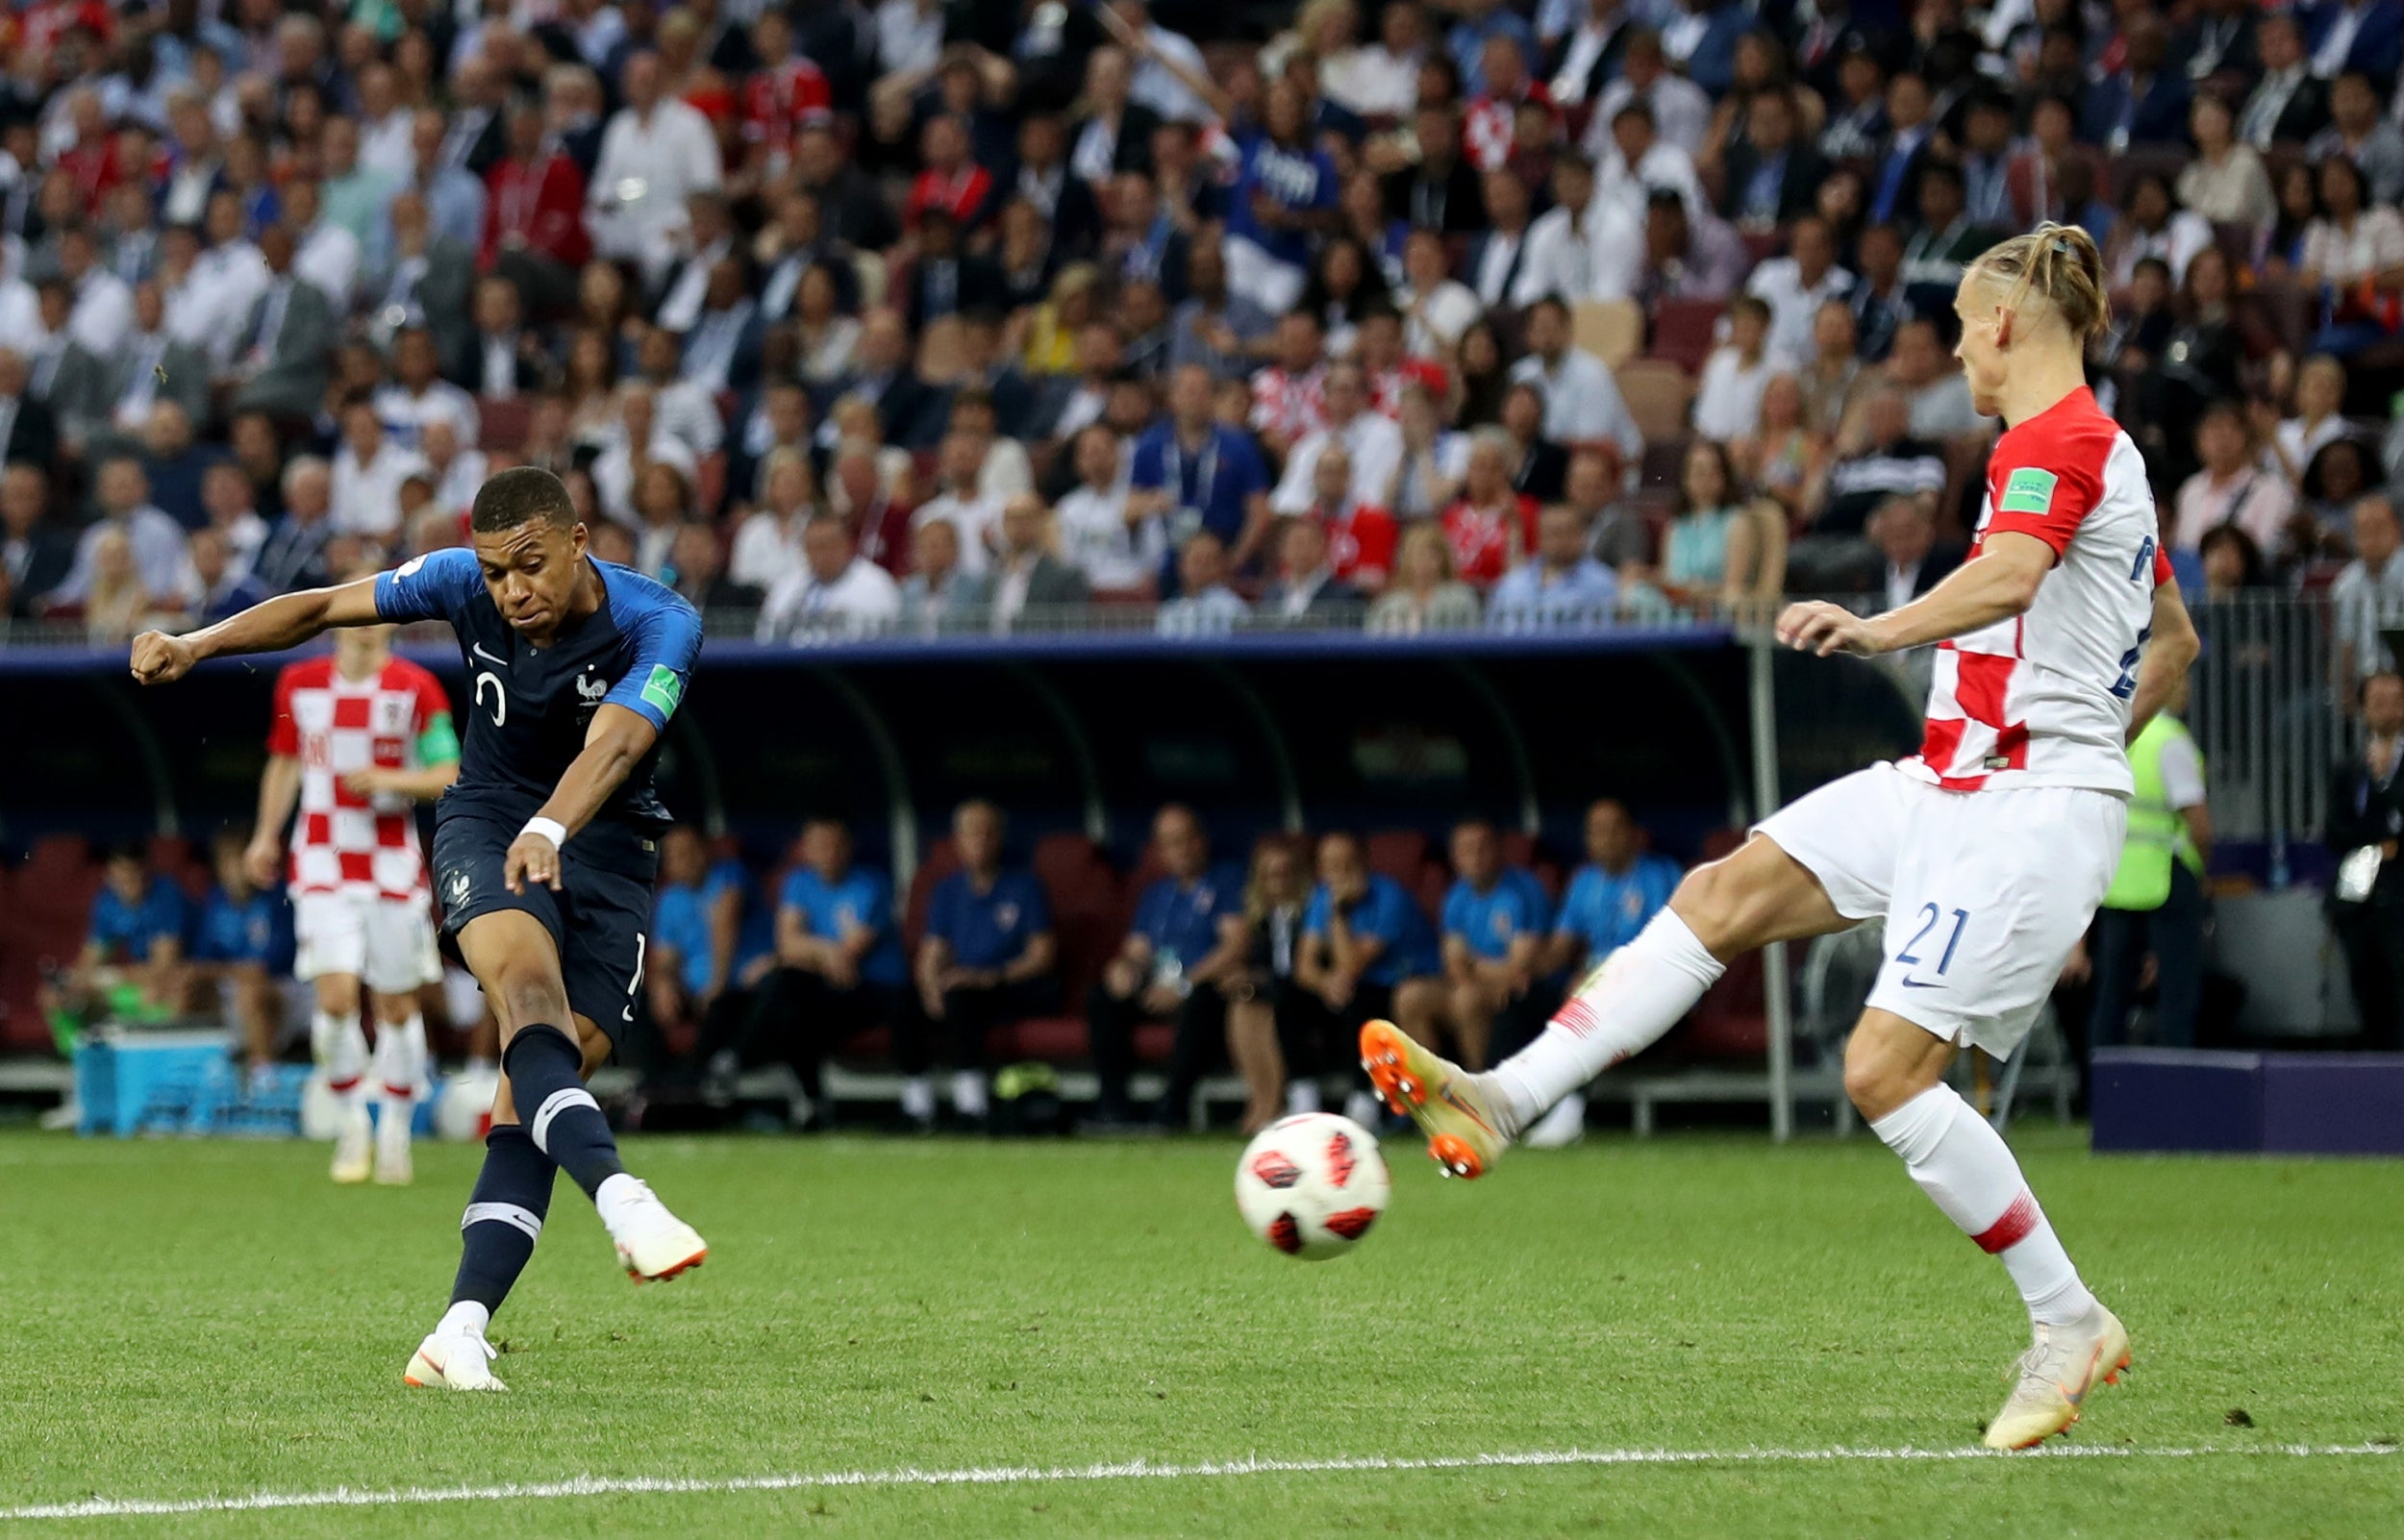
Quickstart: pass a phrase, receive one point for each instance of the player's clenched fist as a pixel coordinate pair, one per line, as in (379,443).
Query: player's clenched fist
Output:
(532,859)
(1822,627)
(159,657)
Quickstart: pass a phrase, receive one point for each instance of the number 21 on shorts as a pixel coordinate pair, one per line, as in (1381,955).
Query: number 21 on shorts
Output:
(1932,919)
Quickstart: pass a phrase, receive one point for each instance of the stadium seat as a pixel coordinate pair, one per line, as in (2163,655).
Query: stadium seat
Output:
(1611,330)
(1658,392)
(503,423)
(1400,853)
(940,860)
(1683,331)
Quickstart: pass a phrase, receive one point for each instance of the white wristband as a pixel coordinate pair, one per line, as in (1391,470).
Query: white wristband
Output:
(550,829)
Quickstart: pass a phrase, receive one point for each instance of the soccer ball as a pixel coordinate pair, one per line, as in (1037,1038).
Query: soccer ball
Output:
(1312,1185)
(462,1106)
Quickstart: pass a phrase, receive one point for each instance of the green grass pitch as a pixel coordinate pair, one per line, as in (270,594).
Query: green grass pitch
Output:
(213,1320)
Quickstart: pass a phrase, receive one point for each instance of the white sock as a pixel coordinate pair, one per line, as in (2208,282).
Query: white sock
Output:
(1622,1008)
(969,1093)
(400,1062)
(466,1318)
(917,1099)
(610,1200)
(340,1048)
(1302,1096)
(1966,1170)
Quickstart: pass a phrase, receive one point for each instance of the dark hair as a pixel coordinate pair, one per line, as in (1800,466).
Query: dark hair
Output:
(1730,491)
(518,494)
(2251,573)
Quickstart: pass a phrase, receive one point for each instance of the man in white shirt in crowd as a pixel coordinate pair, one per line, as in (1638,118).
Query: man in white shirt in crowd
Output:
(1938,392)
(2368,597)
(656,153)
(1573,239)
(1795,287)
(214,301)
(1682,111)
(835,591)
(639,438)
(959,462)
(418,394)
(1373,441)
(1638,161)
(1169,60)
(686,407)
(1205,605)
(368,475)
(1582,401)
(329,255)
(104,304)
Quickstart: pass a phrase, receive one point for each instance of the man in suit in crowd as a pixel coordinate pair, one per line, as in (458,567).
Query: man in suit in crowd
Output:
(29,431)
(100,398)
(428,280)
(1904,529)
(36,554)
(281,364)
(2288,103)
(499,356)
(1306,591)
(1027,578)
(2366,906)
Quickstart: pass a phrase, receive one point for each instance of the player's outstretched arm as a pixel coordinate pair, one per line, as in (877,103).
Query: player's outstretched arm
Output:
(282,622)
(614,745)
(1999,583)
(2171,648)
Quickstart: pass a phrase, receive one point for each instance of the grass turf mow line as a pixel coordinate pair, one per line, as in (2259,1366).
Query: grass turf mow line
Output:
(589,1486)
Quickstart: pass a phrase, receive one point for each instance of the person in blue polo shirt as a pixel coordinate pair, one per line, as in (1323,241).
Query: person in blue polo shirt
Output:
(242,941)
(985,961)
(133,961)
(1197,473)
(708,943)
(1614,895)
(839,966)
(1494,919)
(1367,954)
(1188,938)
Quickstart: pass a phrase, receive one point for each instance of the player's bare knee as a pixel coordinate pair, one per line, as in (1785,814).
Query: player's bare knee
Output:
(1714,900)
(393,1010)
(1884,1068)
(338,994)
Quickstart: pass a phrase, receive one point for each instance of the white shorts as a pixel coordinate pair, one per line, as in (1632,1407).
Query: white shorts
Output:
(387,945)
(1984,892)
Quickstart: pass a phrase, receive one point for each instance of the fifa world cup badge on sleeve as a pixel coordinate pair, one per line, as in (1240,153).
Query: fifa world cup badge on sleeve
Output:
(664,690)
(2030,490)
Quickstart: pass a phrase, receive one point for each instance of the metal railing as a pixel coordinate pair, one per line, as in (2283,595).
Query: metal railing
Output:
(2266,711)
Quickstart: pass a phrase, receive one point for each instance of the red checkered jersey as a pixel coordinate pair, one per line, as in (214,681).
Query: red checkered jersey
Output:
(1488,542)
(342,842)
(1289,404)
(782,97)
(2042,699)
(1359,542)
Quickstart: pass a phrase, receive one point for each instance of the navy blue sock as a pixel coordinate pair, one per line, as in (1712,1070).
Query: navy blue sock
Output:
(547,1083)
(504,1215)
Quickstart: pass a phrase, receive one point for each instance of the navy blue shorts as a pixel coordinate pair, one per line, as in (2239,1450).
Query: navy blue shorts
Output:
(598,918)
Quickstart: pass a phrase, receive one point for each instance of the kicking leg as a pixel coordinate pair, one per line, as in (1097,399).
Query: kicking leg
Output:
(340,1048)
(544,1053)
(1894,1074)
(1756,896)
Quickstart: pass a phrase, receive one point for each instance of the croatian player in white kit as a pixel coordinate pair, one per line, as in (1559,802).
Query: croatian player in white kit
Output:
(358,738)
(1984,853)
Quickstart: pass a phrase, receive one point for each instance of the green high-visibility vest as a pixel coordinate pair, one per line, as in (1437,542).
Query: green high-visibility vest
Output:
(2157,833)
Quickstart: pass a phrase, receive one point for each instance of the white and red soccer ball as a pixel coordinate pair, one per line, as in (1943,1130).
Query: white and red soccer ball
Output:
(1310,1185)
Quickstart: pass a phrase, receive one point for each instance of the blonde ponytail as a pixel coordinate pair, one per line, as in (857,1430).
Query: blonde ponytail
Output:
(2057,263)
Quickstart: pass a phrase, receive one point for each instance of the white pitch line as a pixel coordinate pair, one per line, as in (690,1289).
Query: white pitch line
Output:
(587,1486)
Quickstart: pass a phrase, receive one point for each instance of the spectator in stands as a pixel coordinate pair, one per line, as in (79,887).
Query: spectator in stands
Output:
(154,542)
(1269,926)
(1197,473)
(1876,458)
(1098,536)
(1360,536)
(1774,173)
(1728,403)
(2232,562)
(654,155)
(985,962)
(1781,457)
(133,961)
(1217,329)
(1494,921)
(1904,530)
(1572,244)
(1372,443)
(280,364)
(36,554)
(1490,527)
(1681,107)
(1031,584)
(534,232)
(2338,474)
(2359,135)
(2151,225)
(2232,488)
(295,556)
(220,587)
(1285,190)
(117,603)
(1582,401)
(1424,595)
(1559,583)
(1435,308)
(1719,549)
(838,970)
(1367,953)
(699,973)
(1945,240)
(1306,589)
(1204,606)
(1432,457)
(1537,464)
(368,475)
(2353,248)
(2367,596)
(2227,182)
(696,568)
(1933,384)
(2144,100)
(2318,421)
(242,931)
(100,398)
(837,591)
(2288,104)
(2363,825)
(937,594)
(1186,944)
(1795,287)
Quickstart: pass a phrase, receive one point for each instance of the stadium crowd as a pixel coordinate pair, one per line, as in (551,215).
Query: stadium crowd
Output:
(967,316)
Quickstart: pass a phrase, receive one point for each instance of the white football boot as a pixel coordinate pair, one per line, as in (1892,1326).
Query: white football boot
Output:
(2052,1379)
(653,1245)
(395,1167)
(453,1360)
(354,1144)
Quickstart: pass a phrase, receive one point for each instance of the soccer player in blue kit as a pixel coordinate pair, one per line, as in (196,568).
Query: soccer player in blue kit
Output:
(544,851)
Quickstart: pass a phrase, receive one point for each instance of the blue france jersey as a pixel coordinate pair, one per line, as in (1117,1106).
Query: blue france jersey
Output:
(125,930)
(1295,180)
(530,706)
(863,898)
(1490,922)
(1606,910)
